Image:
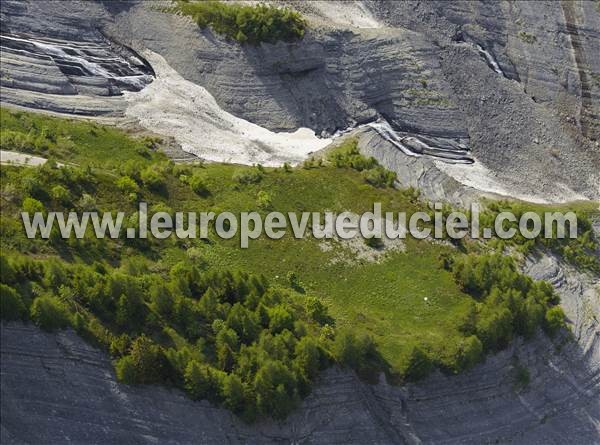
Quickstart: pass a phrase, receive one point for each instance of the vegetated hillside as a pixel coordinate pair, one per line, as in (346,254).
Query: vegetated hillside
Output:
(251,328)
(244,23)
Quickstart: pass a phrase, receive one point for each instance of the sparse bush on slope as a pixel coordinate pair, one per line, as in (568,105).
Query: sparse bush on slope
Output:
(245,23)
(580,251)
(347,155)
(11,304)
(49,314)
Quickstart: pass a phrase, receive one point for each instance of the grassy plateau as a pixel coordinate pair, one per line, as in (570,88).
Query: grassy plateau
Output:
(250,328)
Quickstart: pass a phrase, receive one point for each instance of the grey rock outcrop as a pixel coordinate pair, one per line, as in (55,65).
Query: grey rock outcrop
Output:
(551,48)
(68,69)
(516,88)
(421,173)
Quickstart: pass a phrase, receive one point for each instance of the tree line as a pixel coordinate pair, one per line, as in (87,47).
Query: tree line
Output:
(251,24)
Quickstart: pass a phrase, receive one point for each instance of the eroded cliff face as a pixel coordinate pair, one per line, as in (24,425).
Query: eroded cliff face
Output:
(56,388)
(509,87)
(535,105)
(549,47)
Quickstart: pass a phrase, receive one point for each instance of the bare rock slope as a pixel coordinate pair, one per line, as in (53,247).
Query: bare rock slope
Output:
(510,86)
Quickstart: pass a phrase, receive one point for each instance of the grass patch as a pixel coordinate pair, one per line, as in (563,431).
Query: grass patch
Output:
(145,300)
(78,142)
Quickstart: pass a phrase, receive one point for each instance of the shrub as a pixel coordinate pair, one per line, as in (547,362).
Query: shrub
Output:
(379,177)
(55,274)
(152,179)
(60,194)
(202,381)
(317,310)
(146,363)
(14,140)
(208,304)
(374,242)
(554,320)
(126,370)
(279,319)
(352,351)
(308,357)
(347,155)
(131,311)
(532,316)
(312,163)
(79,323)
(160,207)
(198,184)
(527,37)
(119,345)
(8,273)
(494,327)
(127,185)
(87,203)
(244,322)
(275,387)
(32,185)
(327,333)
(233,393)
(521,377)
(248,176)
(470,352)
(244,23)
(226,343)
(131,168)
(419,364)
(293,280)
(196,255)
(11,304)
(151,142)
(31,206)
(49,314)
(263,200)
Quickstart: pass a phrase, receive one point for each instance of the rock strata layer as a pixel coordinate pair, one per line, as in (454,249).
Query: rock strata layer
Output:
(499,85)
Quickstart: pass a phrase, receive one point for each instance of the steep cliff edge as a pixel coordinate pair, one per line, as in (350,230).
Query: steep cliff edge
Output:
(473,81)
(56,388)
